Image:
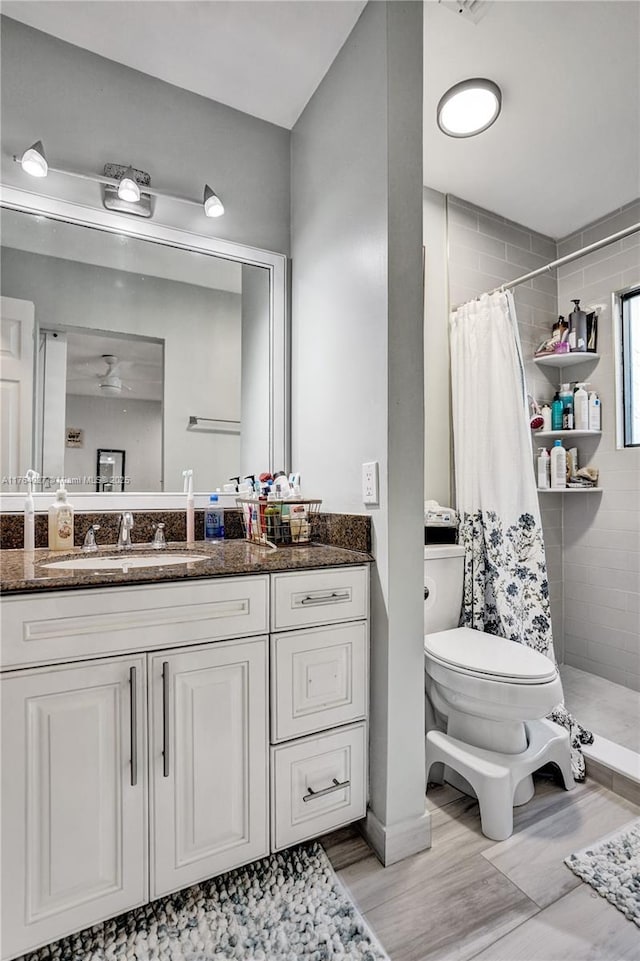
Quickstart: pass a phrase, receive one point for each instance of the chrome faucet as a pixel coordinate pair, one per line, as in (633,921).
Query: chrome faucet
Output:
(90,538)
(124,533)
(159,540)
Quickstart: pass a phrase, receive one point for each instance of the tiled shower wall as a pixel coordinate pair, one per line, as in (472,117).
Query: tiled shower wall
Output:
(486,250)
(602,531)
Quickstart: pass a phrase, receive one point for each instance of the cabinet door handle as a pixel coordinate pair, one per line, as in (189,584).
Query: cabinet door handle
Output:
(133,681)
(336,786)
(165,719)
(333,598)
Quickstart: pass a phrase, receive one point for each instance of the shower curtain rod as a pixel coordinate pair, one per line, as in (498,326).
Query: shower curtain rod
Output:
(568,258)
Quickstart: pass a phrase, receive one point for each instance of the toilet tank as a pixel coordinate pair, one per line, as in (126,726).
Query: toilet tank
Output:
(443,579)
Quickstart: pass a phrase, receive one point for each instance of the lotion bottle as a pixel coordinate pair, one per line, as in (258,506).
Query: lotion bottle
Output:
(61,522)
(558,466)
(581,408)
(595,420)
(543,469)
(556,413)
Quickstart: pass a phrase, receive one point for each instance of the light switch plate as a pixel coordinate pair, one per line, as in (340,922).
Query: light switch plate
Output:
(370,483)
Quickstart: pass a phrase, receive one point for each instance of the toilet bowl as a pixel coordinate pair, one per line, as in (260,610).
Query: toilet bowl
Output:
(489,695)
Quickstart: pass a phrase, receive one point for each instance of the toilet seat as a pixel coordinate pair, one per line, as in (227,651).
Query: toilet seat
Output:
(473,653)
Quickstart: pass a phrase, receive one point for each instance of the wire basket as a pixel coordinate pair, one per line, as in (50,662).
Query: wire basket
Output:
(277,523)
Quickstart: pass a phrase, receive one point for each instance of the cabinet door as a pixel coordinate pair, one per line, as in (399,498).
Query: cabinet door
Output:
(74,822)
(209,761)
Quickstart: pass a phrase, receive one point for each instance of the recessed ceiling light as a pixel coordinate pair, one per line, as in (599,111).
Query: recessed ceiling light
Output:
(469,107)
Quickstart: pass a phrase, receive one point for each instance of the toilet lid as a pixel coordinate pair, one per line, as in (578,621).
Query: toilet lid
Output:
(472,652)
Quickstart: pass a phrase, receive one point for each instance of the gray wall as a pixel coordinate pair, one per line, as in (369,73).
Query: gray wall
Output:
(201,332)
(357,357)
(112,423)
(89,111)
(602,531)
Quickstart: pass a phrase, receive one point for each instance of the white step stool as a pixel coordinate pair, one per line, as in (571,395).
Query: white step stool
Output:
(494,777)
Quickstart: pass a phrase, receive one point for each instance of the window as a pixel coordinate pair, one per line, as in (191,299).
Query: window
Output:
(629,314)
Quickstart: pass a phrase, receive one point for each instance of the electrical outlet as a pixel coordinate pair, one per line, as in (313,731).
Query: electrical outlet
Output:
(370,483)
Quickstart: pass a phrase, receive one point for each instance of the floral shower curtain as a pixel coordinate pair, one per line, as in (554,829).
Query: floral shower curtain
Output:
(506,591)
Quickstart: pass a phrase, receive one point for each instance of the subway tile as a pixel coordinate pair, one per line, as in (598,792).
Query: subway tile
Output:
(463,257)
(462,216)
(628,581)
(569,245)
(611,224)
(601,270)
(510,234)
(614,674)
(630,277)
(465,237)
(529,259)
(498,268)
(545,246)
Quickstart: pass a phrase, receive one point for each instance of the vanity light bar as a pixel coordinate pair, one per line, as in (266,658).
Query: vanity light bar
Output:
(34,163)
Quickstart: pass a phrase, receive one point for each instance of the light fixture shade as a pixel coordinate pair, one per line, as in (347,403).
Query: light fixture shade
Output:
(128,189)
(34,162)
(469,107)
(213,206)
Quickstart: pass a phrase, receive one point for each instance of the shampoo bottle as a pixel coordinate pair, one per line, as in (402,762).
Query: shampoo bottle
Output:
(543,469)
(595,420)
(558,466)
(61,522)
(577,328)
(581,408)
(556,413)
(546,417)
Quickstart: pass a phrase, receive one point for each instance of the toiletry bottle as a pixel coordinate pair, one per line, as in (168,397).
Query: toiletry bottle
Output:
(543,469)
(61,522)
(581,408)
(214,521)
(30,512)
(556,413)
(595,420)
(546,417)
(558,466)
(572,461)
(577,328)
(566,396)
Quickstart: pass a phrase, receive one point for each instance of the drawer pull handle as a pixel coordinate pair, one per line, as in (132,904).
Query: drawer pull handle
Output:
(336,786)
(165,719)
(325,598)
(133,681)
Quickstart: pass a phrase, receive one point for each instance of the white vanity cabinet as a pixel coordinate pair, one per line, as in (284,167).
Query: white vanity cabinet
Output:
(319,688)
(157,735)
(74,800)
(208,761)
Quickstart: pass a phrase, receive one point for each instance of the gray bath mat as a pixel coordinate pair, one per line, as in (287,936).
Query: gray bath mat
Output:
(287,907)
(612,867)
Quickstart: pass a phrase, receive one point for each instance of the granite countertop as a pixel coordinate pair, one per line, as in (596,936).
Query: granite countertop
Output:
(22,573)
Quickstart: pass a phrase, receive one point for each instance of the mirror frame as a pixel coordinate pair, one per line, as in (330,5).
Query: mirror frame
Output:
(25,201)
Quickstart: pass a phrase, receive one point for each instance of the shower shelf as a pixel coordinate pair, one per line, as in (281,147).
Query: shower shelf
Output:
(570,490)
(566,360)
(568,433)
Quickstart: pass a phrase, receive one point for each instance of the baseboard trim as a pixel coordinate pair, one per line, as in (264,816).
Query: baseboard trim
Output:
(395,842)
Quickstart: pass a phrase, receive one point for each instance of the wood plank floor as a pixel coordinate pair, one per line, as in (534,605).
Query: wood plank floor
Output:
(470,897)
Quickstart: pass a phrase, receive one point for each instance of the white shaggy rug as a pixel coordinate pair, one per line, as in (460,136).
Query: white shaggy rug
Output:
(287,907)
(612,867)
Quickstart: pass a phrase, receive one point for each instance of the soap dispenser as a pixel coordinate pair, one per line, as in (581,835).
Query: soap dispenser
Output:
(577,328)
(61,521)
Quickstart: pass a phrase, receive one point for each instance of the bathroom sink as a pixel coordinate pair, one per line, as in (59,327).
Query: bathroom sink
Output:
(124,562)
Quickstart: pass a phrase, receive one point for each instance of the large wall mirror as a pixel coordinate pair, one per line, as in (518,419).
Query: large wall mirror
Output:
(166,345)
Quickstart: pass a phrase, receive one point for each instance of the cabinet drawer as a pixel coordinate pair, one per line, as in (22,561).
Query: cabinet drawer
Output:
(318,679)
(319,597)
(61,626)
(317,784)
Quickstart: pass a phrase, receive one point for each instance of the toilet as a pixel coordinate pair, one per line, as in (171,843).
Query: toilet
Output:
(487,699)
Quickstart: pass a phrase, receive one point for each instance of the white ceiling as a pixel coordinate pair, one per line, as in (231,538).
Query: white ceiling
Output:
(140,365)
(565,150)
